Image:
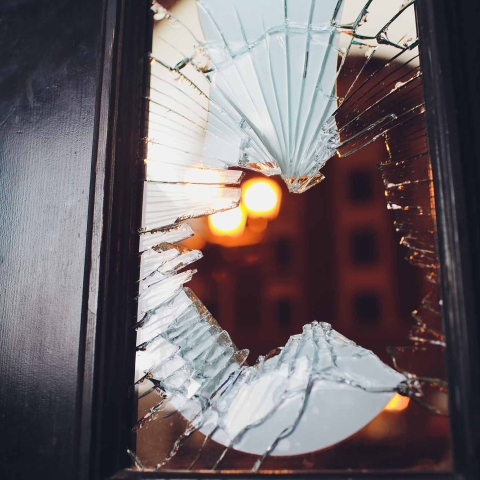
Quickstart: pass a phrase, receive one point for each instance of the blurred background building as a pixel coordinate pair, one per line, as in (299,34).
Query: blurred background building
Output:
(330,255)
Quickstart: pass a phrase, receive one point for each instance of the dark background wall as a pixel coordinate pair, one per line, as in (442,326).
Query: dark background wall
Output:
(51,65)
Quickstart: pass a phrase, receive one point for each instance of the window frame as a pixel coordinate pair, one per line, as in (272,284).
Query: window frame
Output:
(108,403)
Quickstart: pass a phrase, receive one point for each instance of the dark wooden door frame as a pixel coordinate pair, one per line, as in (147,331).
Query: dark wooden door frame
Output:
(108,404)
(450,56)
(457,184)
(455,157)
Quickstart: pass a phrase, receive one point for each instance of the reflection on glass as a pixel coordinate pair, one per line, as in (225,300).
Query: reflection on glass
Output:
(278,88)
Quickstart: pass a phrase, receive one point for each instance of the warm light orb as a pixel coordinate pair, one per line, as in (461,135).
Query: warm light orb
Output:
(231,222)
(261,197)
(397,403)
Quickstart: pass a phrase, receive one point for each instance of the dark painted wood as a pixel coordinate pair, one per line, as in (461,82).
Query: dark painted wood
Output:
(113,399)
(97,260)
(248,475)
(450,56)
(51,182)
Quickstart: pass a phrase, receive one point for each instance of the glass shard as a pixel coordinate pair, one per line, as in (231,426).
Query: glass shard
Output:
(175,233)
(171,203)
(261,90)
(319,382)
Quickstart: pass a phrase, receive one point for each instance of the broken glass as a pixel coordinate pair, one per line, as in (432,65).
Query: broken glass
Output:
(279,92)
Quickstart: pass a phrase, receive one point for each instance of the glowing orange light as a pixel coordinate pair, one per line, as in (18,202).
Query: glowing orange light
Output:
(197,242)
(397,403)
(258,224)
(261,197)
(230,222)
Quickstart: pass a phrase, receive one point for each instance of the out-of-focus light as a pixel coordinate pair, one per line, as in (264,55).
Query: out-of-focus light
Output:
(261,197)
(397,403)
(231,222)
(258,224)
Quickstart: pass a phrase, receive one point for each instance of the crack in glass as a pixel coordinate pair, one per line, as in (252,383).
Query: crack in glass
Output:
(260,92)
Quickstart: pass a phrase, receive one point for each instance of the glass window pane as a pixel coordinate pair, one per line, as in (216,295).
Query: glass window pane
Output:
(288,162)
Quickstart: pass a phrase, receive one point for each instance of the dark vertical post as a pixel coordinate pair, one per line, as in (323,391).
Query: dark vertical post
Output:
(113,398)
(450,57)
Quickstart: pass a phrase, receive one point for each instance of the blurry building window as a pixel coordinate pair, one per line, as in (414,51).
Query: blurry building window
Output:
(360,185)
(366,307)
(248,304)
(284,312)
(363,247)
(283,252)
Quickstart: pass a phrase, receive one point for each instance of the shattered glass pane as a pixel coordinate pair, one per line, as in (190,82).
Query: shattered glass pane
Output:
(279,87)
